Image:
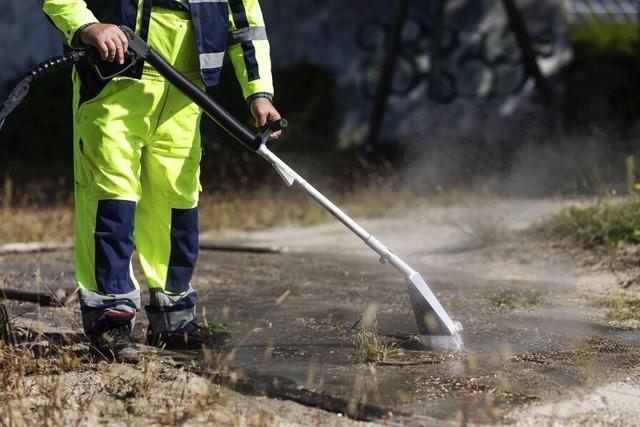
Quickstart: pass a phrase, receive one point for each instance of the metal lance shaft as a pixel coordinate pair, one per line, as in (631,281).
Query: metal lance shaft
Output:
(431,317)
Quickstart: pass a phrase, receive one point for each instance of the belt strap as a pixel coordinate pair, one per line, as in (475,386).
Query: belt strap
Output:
(171,4)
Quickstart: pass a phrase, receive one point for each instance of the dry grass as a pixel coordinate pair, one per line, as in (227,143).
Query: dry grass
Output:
(370,347)
(622,310)
(45,383)
(259,209)
(36,390)
(266,208)
(30,384)
(482,230)
(605,235)
(516,298)
(36,224)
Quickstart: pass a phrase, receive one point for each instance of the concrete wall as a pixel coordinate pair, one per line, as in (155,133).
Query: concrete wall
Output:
(482,71)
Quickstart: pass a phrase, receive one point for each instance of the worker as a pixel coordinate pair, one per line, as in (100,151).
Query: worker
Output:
(137,158)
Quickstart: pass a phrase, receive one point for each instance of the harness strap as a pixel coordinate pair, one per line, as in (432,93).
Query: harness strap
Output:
(172,5)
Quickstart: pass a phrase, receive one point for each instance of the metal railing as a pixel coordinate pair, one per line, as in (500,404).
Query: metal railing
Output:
(616,10)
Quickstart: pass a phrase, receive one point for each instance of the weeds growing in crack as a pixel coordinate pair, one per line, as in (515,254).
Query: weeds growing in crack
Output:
(516,298)
(370,347)
(622,310)
(143,384)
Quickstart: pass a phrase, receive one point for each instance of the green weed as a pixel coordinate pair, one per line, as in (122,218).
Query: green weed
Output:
(513,299)
(603,224)
(370,347)
(606,36)
(215,325)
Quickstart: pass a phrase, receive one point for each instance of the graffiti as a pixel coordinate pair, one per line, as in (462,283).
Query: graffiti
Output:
(472,65)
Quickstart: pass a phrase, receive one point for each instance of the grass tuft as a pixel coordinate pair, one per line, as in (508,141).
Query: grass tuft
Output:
(370,347)
(603,224)
(483,231)
(215,326)
(621,308)
(512,299)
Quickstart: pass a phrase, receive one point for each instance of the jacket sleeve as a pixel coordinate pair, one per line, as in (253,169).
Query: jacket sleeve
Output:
(249,48)
(68,15)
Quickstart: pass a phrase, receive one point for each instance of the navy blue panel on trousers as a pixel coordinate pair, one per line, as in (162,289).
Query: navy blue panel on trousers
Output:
(184,249)
(114,246)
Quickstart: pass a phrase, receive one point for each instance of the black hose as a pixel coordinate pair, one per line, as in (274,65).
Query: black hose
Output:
(214,110)
(141,50)
(73,57)
(20,92)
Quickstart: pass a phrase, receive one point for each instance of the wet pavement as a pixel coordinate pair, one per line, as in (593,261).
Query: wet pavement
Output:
(530,336)
(511,355)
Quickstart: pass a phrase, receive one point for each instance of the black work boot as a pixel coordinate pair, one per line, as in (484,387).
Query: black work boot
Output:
(192,337)
(116,342)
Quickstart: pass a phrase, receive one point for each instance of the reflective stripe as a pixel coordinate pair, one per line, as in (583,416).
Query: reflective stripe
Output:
(208,1)
(93,301)
(211,60)
(94,306)
(168,313)
(247,34)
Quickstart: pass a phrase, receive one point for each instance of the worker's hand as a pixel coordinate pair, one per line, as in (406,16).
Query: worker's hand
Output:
(264,111)
(108,39)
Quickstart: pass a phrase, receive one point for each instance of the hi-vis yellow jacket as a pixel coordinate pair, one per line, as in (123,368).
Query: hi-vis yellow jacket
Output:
(234,26)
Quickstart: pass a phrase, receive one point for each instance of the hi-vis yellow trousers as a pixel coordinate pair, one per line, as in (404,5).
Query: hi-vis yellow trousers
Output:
(137,164)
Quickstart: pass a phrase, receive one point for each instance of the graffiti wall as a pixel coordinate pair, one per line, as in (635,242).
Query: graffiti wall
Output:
(479,59)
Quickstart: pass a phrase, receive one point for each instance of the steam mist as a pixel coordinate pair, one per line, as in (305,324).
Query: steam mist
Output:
(528,154)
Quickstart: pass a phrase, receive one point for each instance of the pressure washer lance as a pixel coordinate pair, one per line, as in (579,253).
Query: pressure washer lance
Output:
(431,318)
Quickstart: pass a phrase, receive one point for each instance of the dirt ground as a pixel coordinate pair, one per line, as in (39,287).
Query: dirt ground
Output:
(152,393)
(540,346)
